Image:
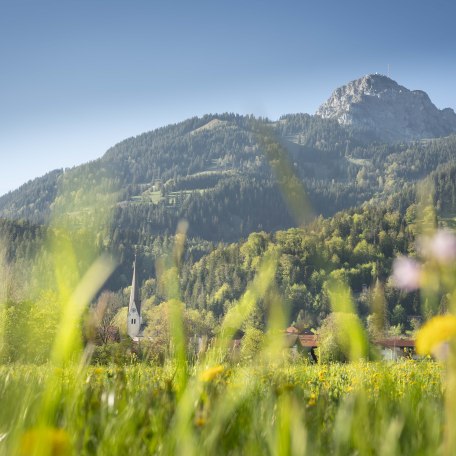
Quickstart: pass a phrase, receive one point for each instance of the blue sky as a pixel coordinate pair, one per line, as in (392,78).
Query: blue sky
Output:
(78,76)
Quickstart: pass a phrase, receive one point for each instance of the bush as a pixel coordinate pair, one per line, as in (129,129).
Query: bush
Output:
(341,338)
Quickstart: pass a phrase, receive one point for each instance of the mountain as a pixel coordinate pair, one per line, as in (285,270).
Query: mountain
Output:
(210,170)
(390,111)
(230,175)
(240,182)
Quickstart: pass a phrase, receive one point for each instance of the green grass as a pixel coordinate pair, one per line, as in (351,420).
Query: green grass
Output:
(360,408)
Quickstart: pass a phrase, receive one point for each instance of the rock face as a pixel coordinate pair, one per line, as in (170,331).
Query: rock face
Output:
(389,111)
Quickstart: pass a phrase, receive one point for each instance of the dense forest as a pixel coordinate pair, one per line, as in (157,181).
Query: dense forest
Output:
(214,172)
(325,201)
(356,245)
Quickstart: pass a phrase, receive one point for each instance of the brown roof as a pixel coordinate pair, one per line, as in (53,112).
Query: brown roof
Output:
(311,341)
(308,340)
(395,342)
(292,330)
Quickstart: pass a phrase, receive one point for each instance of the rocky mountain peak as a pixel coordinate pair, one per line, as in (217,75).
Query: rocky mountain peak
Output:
(390,111)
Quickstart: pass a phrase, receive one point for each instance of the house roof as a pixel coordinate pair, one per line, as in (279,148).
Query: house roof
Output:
(394,342)
(308,340)
(292,330)
(311,341)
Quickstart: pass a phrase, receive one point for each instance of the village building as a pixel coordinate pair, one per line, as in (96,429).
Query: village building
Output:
(395,348)
(134,318)
(391,348)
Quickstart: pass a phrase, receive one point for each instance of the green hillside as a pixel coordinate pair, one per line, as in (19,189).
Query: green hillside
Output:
(349,202)
(213,172)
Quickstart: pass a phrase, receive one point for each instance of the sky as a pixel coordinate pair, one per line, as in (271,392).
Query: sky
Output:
(78,76)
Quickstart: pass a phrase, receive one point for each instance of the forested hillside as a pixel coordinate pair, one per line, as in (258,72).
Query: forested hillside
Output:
(350,204)
(167,174)
(213,172)
(357,246)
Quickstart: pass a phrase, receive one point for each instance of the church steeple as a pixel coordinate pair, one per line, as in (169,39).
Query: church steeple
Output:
(134,307)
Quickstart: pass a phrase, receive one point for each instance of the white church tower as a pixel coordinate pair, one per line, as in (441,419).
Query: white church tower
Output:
(134,308)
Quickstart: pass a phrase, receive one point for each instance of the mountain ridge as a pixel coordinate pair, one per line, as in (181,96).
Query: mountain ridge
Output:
(213,172)
(337,108)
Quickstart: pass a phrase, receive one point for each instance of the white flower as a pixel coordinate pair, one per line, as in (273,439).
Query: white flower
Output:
(111,399)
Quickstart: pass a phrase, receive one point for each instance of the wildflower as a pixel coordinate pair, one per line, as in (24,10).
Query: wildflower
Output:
(108,398)
(200,421)
(98,371)
(406,273)
(111,398)
(441,247)
(436,331)
(312,400)
(209,374)
(51,441)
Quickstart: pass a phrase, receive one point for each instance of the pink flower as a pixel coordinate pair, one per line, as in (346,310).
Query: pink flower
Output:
(406,273)
(443,246)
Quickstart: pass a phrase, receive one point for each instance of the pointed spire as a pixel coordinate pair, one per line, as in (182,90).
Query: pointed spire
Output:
(134,295)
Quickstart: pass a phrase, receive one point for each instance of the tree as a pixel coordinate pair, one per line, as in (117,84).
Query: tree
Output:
(158,335)
(101,320)
(339,338)
(252,343)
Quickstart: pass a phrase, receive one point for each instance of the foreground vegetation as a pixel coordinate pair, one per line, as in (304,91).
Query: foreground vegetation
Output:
(362,408)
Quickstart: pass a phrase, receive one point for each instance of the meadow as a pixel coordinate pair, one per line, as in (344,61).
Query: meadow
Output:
(358,408)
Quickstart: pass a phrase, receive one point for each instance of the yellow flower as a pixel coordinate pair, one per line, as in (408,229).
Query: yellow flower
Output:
(312,400)
(49,441)
(209,374)
(434,332)
(200,421)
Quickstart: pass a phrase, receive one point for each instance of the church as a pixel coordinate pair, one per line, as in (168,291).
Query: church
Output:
(134,319)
